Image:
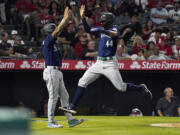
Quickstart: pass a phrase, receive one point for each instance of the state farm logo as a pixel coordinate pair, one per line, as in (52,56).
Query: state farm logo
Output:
(135,65)
(25,64)
(80,65)
(7,65)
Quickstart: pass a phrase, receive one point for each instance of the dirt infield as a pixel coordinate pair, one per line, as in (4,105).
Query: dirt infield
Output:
(170,125)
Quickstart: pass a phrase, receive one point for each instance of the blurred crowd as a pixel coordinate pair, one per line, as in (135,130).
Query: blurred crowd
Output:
(149,29)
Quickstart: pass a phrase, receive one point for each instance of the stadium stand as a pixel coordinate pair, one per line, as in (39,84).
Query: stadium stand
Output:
(27,17)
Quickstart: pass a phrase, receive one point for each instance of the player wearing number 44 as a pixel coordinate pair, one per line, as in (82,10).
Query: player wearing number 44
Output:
(106,63)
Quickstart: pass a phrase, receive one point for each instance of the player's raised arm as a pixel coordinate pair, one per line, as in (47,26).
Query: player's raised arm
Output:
(82,15)
(62,23)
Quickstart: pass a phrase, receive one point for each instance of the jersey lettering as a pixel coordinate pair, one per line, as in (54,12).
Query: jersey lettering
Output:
(109,43)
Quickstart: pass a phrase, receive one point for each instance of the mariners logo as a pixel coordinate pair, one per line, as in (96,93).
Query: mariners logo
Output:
(80,65)
(25,64)
(135,65)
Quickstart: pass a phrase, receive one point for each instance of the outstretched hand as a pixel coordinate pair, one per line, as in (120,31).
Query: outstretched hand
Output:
(82,10)
(67,13)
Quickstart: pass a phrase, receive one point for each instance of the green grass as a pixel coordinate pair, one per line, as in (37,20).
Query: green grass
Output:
(108,125)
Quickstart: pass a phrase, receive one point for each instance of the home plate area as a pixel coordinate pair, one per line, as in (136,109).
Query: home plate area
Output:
(170,125)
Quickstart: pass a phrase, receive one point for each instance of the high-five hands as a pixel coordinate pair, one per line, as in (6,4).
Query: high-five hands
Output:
(82,11)
(67,13)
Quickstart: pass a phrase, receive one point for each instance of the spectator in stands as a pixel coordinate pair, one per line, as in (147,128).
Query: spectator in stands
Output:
(7,48)
(14,34)
(164,48)
(151,4)
(148,29)
(157,55)
(89,8)
(10,9)
(176,48)
(21,50)
(43,19)
(142,3)
(30,19)
(79,32)
(75,12)
(150,49)
(22,9)
(132,9)
(90,53)
(167,2)
(1,31)
(45,3)
(80,46)
(132,29)
(139,55)
(138,44)
(113,8)
(159,14)
(4,45)
(156,36)
(96,15)
(54,9)
(170,26)
(168,105)
(2,11)
(33,6)
(175,12)
(66,38)
(122,51)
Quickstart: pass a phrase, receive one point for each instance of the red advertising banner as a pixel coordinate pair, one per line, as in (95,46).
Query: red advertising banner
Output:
(85,64)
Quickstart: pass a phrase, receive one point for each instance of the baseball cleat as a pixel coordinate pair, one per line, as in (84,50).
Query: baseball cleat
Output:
(54,125)
(75,122)
(146,91)
(67,109)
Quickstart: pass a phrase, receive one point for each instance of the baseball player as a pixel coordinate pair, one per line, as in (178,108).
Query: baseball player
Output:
(53,75)
(106,63)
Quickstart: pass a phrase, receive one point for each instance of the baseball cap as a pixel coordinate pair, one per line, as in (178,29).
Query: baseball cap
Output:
(14,32)
(72,3)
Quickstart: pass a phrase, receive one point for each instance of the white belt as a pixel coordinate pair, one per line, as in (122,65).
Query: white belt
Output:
(106,58)
(53,67)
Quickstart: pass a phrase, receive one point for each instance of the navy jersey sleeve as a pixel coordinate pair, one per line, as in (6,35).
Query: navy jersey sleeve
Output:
(48,40)
(87,28)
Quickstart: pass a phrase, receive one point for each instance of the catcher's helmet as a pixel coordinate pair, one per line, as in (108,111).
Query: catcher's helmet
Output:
(49,28)
(107,19)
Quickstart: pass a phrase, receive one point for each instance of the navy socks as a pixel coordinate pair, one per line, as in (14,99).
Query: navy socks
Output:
(79,93)
(134,87)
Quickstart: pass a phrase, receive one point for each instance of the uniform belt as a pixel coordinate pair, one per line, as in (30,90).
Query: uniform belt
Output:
(53,67)
(106,58)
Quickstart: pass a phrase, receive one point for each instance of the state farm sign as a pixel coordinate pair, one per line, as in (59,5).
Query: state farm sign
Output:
(85,64)
(7,65)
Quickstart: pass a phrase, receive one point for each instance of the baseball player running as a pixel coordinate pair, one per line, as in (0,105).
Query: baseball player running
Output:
(106,63)
(53,75)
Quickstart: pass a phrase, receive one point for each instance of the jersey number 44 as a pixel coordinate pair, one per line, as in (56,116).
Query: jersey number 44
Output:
(109,43)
